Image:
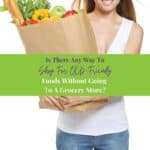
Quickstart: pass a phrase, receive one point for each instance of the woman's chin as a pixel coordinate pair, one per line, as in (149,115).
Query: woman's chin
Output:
(106,10)
(107,6)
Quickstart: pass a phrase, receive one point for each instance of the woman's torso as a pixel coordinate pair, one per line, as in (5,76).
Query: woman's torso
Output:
(112,117)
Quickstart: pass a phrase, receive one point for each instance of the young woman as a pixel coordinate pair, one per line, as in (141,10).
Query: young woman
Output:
(116,31)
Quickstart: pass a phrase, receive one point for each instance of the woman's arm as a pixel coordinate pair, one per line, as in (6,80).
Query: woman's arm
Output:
(134,43)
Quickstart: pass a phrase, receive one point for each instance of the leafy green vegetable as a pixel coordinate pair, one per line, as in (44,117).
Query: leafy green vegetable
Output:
(28,7)
(3,8)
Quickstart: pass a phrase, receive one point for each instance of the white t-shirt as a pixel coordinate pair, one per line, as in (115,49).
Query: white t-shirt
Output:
(112,117)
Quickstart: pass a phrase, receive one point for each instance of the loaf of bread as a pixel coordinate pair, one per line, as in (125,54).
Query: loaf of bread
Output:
(14,10)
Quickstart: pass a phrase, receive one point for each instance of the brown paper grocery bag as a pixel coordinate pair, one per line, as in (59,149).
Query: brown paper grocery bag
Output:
(70,35)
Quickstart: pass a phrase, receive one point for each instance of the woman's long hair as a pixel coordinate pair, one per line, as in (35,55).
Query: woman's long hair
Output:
(124,9)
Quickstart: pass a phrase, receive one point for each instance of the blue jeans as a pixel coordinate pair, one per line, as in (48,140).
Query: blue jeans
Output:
(115,141)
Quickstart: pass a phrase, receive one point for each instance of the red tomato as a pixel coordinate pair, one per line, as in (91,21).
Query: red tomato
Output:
(70,13)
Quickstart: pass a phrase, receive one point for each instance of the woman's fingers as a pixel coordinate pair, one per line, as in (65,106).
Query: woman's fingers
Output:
(64,99)
(48,101)
(56,103)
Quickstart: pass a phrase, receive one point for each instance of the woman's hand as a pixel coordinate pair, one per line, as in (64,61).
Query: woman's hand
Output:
(63,102)
(51,101)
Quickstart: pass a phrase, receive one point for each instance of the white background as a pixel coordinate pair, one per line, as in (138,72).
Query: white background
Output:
(23,126)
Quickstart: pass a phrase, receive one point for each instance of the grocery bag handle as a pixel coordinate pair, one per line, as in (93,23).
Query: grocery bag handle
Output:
(77,4)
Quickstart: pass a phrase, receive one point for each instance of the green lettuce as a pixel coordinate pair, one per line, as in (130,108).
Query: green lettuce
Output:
(28,7)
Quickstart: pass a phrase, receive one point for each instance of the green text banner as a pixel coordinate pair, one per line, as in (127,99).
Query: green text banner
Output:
(78,75)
